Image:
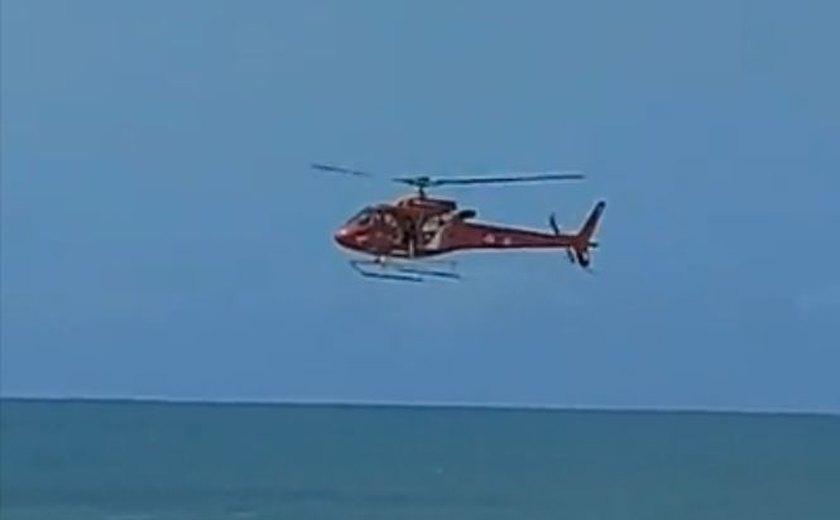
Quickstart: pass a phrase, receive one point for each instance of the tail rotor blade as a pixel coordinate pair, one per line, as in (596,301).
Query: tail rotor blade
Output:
(552,221)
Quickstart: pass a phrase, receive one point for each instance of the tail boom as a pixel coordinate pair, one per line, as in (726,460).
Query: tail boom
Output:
(488,236)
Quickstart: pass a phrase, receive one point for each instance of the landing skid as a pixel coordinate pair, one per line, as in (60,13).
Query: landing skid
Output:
(401,271)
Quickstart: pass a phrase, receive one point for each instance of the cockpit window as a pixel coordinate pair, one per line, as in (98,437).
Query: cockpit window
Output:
(362,218)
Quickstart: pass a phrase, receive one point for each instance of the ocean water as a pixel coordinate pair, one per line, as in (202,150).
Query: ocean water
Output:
(120,460)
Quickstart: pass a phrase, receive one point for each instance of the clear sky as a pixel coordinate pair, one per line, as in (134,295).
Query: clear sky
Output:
(162,235)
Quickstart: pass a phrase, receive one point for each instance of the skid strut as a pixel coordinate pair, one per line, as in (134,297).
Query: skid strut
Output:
(393,270)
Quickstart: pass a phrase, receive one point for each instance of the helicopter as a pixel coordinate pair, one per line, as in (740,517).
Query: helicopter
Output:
(398,238)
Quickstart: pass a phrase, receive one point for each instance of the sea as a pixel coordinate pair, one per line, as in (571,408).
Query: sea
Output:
(129,460)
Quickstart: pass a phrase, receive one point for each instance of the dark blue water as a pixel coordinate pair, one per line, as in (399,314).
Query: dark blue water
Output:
(76,460)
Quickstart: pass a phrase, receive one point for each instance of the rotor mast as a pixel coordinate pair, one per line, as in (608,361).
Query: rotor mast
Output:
(420,183)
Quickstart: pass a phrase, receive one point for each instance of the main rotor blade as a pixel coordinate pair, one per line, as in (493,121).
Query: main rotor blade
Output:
(425,181)
(506,178)
(339,169)
(429,182)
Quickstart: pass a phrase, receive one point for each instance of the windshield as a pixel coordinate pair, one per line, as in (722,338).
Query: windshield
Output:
(362,218)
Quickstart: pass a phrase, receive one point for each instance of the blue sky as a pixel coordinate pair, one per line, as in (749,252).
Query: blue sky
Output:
(163,237)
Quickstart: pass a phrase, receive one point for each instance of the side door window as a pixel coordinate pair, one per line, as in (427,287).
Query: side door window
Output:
(393,229)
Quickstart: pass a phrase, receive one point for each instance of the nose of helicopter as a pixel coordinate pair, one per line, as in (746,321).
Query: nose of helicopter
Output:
(342,237)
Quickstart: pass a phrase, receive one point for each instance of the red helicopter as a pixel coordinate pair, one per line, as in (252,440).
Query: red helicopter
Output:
(402,235)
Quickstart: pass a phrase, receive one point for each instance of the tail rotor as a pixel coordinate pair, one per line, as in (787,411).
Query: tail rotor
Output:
(578,252)
(552,221)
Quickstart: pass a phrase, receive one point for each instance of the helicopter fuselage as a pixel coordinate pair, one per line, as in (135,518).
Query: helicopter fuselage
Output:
(420,227)
(417,226)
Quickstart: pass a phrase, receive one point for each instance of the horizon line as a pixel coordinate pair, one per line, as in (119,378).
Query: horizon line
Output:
(442,405)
